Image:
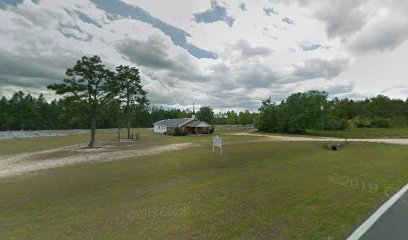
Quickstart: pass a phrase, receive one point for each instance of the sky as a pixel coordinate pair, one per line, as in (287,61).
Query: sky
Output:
(223,54)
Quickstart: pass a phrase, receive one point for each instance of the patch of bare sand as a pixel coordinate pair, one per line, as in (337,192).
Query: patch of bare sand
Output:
(21,164)
(322,139)
(285,138)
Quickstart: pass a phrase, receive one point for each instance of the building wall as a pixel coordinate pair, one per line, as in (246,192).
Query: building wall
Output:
(170,130)
(200,130)
(187,130)
(160,128)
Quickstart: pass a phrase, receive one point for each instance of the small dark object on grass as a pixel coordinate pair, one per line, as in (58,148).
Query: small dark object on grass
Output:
(334,147)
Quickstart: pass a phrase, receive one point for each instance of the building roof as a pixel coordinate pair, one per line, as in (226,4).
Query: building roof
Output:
(197,123)
(174,122)
(189,122)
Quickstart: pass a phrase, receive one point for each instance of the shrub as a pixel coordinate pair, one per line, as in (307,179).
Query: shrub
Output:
(360,122)
(381,122)
(335,124)
(178,132)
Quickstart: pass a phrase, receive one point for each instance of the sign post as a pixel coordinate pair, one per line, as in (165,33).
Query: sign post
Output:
(217,142)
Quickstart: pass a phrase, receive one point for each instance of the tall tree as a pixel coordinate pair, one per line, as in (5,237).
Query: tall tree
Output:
(206,114)
(6,118)
(302,111)
(299,112)
(86,84)
(126,86)
(232,118)
(268,118)
(245,118)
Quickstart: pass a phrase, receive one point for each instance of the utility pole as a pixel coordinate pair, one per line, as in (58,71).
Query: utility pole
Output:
(193,112)
(322,108)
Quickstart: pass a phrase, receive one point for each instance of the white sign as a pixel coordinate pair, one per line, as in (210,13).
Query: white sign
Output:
(217,142)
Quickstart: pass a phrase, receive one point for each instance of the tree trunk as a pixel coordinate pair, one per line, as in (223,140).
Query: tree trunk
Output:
(119,134)
(93,129)
(128,128)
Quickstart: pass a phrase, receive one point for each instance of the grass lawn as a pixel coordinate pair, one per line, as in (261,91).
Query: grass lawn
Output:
(25,145)
(256,190)
(363,133)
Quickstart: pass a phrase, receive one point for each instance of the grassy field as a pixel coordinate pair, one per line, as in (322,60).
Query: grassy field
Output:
(24,145)
(256,190)
(363,133)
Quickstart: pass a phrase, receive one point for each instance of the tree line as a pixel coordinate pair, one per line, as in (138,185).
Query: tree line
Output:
(22,111)
(312,110)
(296,114)
(94,96)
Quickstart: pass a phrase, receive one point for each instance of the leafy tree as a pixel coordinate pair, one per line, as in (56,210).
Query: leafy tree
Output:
(42,113)
(22,108)
(303,111)
(220,118)
(54,115)
(86,84)
(6,119)
(268,118)
(232,118)
(126,86)
(245,118)
(75,114)
(206,114)
(142,117)
(300,111)
(109,113)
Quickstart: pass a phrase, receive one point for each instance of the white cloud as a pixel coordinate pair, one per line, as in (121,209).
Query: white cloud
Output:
(349,48)
(386,32)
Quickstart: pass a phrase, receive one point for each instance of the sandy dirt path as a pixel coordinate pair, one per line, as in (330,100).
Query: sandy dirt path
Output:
(400,141)
(30,162)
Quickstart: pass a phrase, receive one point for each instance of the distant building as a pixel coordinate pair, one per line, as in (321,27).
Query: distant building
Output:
(186,125)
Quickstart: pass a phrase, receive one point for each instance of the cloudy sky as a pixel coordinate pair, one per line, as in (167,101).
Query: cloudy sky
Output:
(225,54)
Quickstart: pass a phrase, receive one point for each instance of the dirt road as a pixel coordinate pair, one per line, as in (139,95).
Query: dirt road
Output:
(322,139)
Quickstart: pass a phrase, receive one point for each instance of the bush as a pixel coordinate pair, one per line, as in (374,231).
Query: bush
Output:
(382,122)
(211,129)
(268,120)
(364,123)
(334,124)
(401,121)
(378,122)
(178,132)
(360,122)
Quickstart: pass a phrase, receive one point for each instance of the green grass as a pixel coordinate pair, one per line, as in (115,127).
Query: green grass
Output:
(147,139)
(363,133)
(25,145)
(268,190)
